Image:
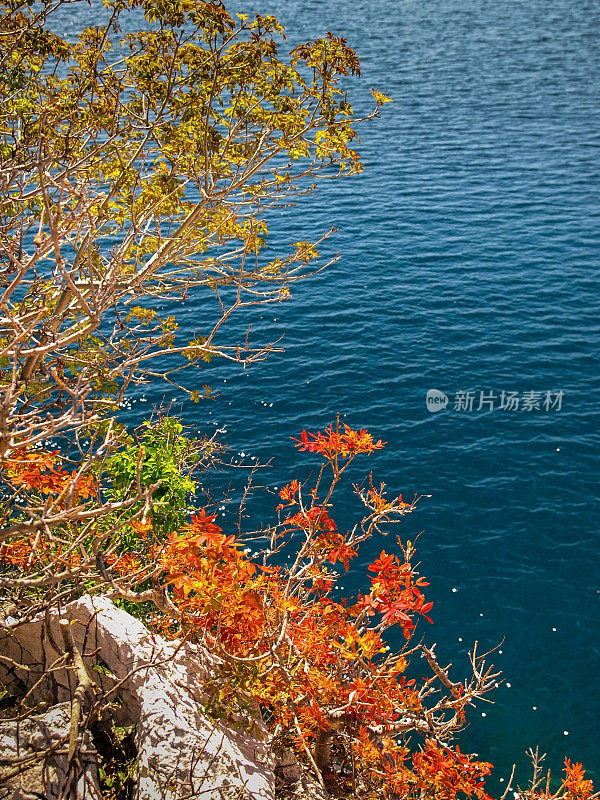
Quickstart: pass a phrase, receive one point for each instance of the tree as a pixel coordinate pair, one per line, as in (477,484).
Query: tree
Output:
(136,169)
(135,173)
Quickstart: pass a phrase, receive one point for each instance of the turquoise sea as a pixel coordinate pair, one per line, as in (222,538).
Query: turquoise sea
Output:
(470,265)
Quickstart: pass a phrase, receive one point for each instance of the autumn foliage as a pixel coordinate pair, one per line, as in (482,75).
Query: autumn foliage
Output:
(312,667)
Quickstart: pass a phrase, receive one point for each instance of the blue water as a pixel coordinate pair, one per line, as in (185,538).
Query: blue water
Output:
(469,262)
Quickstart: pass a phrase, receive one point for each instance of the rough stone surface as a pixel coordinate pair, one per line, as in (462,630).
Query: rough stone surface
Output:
(292,781)
(47,777)
(181,753)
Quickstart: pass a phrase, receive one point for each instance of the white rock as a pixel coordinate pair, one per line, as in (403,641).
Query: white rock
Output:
(35,735)
(181,753)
